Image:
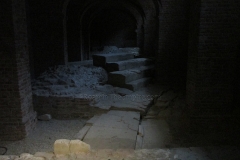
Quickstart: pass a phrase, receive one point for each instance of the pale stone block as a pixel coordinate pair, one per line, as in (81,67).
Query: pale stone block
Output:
(61,147)
(36,158)
(77,146)
(62,157)
(46,155)
(25,156)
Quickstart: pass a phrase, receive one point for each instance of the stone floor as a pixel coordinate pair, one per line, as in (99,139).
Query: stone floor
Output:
(159,134)
(114,130)
(191,153)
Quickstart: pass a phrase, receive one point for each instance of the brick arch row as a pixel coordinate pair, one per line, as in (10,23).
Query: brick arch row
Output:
(79,15)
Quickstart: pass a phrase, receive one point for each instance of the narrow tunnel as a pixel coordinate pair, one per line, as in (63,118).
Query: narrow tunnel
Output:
(102,24)
(113,28)
(158,74)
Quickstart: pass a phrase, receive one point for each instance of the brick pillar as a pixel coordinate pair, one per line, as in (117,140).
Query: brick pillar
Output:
(149,49)
(173,42)
(213,48)
(16,110)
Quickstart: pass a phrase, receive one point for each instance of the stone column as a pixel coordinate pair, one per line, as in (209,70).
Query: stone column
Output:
(16,109)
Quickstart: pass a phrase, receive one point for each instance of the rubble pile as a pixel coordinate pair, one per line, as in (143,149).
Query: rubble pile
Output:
(68,79)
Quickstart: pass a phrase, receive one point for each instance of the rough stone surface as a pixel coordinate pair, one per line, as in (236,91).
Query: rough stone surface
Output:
(45,117)
(81,134)
(156,134)
(46,155)
(114,130)
(77,146)
(123,91)
(201,153)
(26,156)
(61,147)
(68,80)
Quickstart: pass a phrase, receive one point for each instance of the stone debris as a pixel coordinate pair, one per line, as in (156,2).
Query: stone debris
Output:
(27,156)
(192,153)
(45,117)
(69,80)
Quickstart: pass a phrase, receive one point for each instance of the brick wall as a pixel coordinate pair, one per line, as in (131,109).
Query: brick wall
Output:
(194,21)
(65,107)
(16,109)
(212,64)
(148,35)
(173,41)
(45,21)
(150,29)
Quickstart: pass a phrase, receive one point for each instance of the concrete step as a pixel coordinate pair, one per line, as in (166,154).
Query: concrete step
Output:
(127,64)
(133,50)
(101,59)
(135,85)
(126,76)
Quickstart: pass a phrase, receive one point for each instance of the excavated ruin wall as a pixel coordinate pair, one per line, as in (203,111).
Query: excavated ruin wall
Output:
(65,107)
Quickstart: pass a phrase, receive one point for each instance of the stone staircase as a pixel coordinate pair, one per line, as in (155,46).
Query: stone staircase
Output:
(124,70)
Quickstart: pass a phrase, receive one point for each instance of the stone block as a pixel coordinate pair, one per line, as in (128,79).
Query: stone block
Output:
(61,147)
(77,146)
(37,158)
(25,156)
(46,155)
